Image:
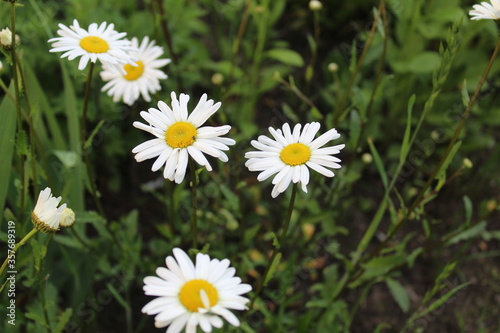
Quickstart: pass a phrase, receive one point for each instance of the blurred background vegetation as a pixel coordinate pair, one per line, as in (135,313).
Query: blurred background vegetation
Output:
(269,62)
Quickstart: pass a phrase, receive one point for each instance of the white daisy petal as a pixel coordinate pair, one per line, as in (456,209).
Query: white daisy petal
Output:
(486,11)
(291,153)
(178,324)
(198,294)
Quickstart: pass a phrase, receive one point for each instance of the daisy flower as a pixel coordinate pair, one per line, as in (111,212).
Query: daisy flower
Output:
(486,11)
(98,42)
(46,216)
(179,135)
(194,294)
(290,155)
(142,79)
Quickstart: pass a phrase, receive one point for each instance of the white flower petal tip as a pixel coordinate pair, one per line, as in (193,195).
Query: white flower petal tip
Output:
(141,78)
(48,216)
(486,11)
(194,294)
(101,43)
(180,135)
(291,154)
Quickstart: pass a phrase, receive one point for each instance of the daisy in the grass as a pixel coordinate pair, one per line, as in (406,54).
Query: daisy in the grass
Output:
(99,42)
(486,11)
(142,79)
(291,154)
(47,215)
(179,135)
(194,294)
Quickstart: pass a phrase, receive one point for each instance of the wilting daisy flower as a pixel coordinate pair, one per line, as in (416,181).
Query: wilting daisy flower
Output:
(179,135)
(290,155)
(194,294)
(486,11)
(46,216)
(141,79)
(98,42)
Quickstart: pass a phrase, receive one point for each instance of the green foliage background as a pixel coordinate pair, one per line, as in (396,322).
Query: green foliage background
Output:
(89,278)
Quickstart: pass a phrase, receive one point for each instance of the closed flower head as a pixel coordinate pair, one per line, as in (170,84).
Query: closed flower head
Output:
(191,295)
(291,154)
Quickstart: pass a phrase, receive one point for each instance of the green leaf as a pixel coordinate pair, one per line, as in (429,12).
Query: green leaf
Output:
(68,158)
(469,233)
(22,143)
(355,128)
(465,94)
(7,139)
(378,162)
(39,252)
(468,209)
(447,162)
(62,320)
(88,143)
(286,56)
(273,268)
(399,293)
(442,300)
(405,147)
(117,296)
(422,63)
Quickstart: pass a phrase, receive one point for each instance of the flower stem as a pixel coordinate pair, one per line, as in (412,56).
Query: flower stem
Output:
(237,41)
(340,113)
(83,130)
(281,241)
(168,41)
(194,206)
(15,78)
(18,245)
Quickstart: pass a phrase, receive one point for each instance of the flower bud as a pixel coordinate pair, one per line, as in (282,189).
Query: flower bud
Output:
(217,79)
(333,67)
(6,39)
(315,5)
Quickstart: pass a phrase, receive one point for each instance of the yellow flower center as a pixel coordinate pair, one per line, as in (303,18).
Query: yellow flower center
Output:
(191,294)
(180,135)
(94,44)
(133,73)
(295,154)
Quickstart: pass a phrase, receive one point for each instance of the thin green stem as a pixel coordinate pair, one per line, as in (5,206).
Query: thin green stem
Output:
(18,106)
(30,126)
(168,41)
(342,104)
(237,41)
(314,55)
(194,205)
(276,250)
(42,290)
(83,130)
(16,247)
(458,129)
